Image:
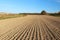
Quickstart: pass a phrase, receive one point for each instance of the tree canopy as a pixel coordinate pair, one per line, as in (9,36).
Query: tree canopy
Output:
(43,12)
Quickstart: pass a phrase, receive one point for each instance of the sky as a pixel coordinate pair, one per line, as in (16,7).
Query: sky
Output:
(29,6)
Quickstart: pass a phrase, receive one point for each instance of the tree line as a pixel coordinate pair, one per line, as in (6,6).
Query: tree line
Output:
(42,13)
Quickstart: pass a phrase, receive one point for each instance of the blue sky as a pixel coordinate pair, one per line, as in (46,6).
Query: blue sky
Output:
(21,6)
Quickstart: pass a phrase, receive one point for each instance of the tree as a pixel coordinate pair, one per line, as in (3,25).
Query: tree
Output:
(43,12)
(58,12)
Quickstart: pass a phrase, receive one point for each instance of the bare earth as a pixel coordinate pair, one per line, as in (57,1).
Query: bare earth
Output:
(31,27)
